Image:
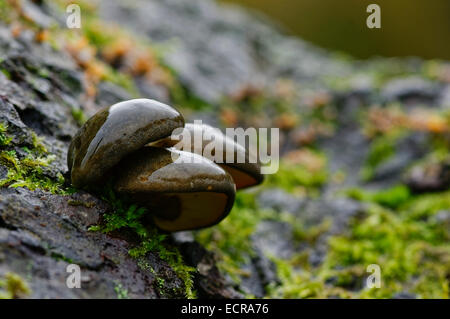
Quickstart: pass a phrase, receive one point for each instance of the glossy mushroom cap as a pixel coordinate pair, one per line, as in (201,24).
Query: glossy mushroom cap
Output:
(114,132)
(245,174)
(182,190)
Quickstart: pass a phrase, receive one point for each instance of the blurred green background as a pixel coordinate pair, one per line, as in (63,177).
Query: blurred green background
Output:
(408,27)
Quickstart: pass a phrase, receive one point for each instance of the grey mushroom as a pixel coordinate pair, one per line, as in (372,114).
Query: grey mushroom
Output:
(245,174)
(114,132)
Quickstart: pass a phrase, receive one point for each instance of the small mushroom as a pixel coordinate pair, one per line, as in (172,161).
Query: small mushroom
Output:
(244,174)
(114,132)
(182,190)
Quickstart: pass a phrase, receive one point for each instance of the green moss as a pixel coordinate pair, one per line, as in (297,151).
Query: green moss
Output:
(308,234)
(4,139)
(59,257)
(406,244)
(13,286)
(292,177)
(392,197)
(398,232)
(95,34)
(121,79)
(5,72)
(296,283)
(404,247)
(231,238)
(182,98)
(129,216)
(121,292)
(381,149)
(28,171)
(409,246)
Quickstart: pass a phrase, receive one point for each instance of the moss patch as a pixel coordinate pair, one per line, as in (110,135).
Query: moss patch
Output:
(126,216)
(302,176)
(381,149)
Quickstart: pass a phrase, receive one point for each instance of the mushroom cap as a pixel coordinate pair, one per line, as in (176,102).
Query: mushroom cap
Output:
(182,190)
(245,174)
(114,132)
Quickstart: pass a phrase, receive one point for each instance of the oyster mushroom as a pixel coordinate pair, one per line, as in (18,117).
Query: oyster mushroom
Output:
(244,174)
(180,192)
(114,132)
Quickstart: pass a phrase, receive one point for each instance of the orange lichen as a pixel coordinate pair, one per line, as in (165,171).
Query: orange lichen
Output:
(229,117)
(142,62)
(382,120)
(424,121)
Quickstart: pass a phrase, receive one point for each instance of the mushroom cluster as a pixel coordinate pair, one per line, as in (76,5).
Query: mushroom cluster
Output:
(131,143)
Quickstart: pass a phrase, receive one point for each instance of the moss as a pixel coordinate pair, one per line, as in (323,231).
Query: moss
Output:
(181,97)
(93,31)
(5,72)
(13,286)
(59,257)
(399,233)
(38,146)
(309,234)
(402,244)
(297,283)
(121,79)
(121,292)
(381,149)
(128,216)
(160,282)
(7,13)
(410,247)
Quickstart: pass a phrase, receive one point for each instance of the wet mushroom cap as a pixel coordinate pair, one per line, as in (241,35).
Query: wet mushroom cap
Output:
(182,190)
(114,132)
(244,174)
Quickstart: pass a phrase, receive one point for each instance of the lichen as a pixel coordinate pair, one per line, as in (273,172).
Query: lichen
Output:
(128,216)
